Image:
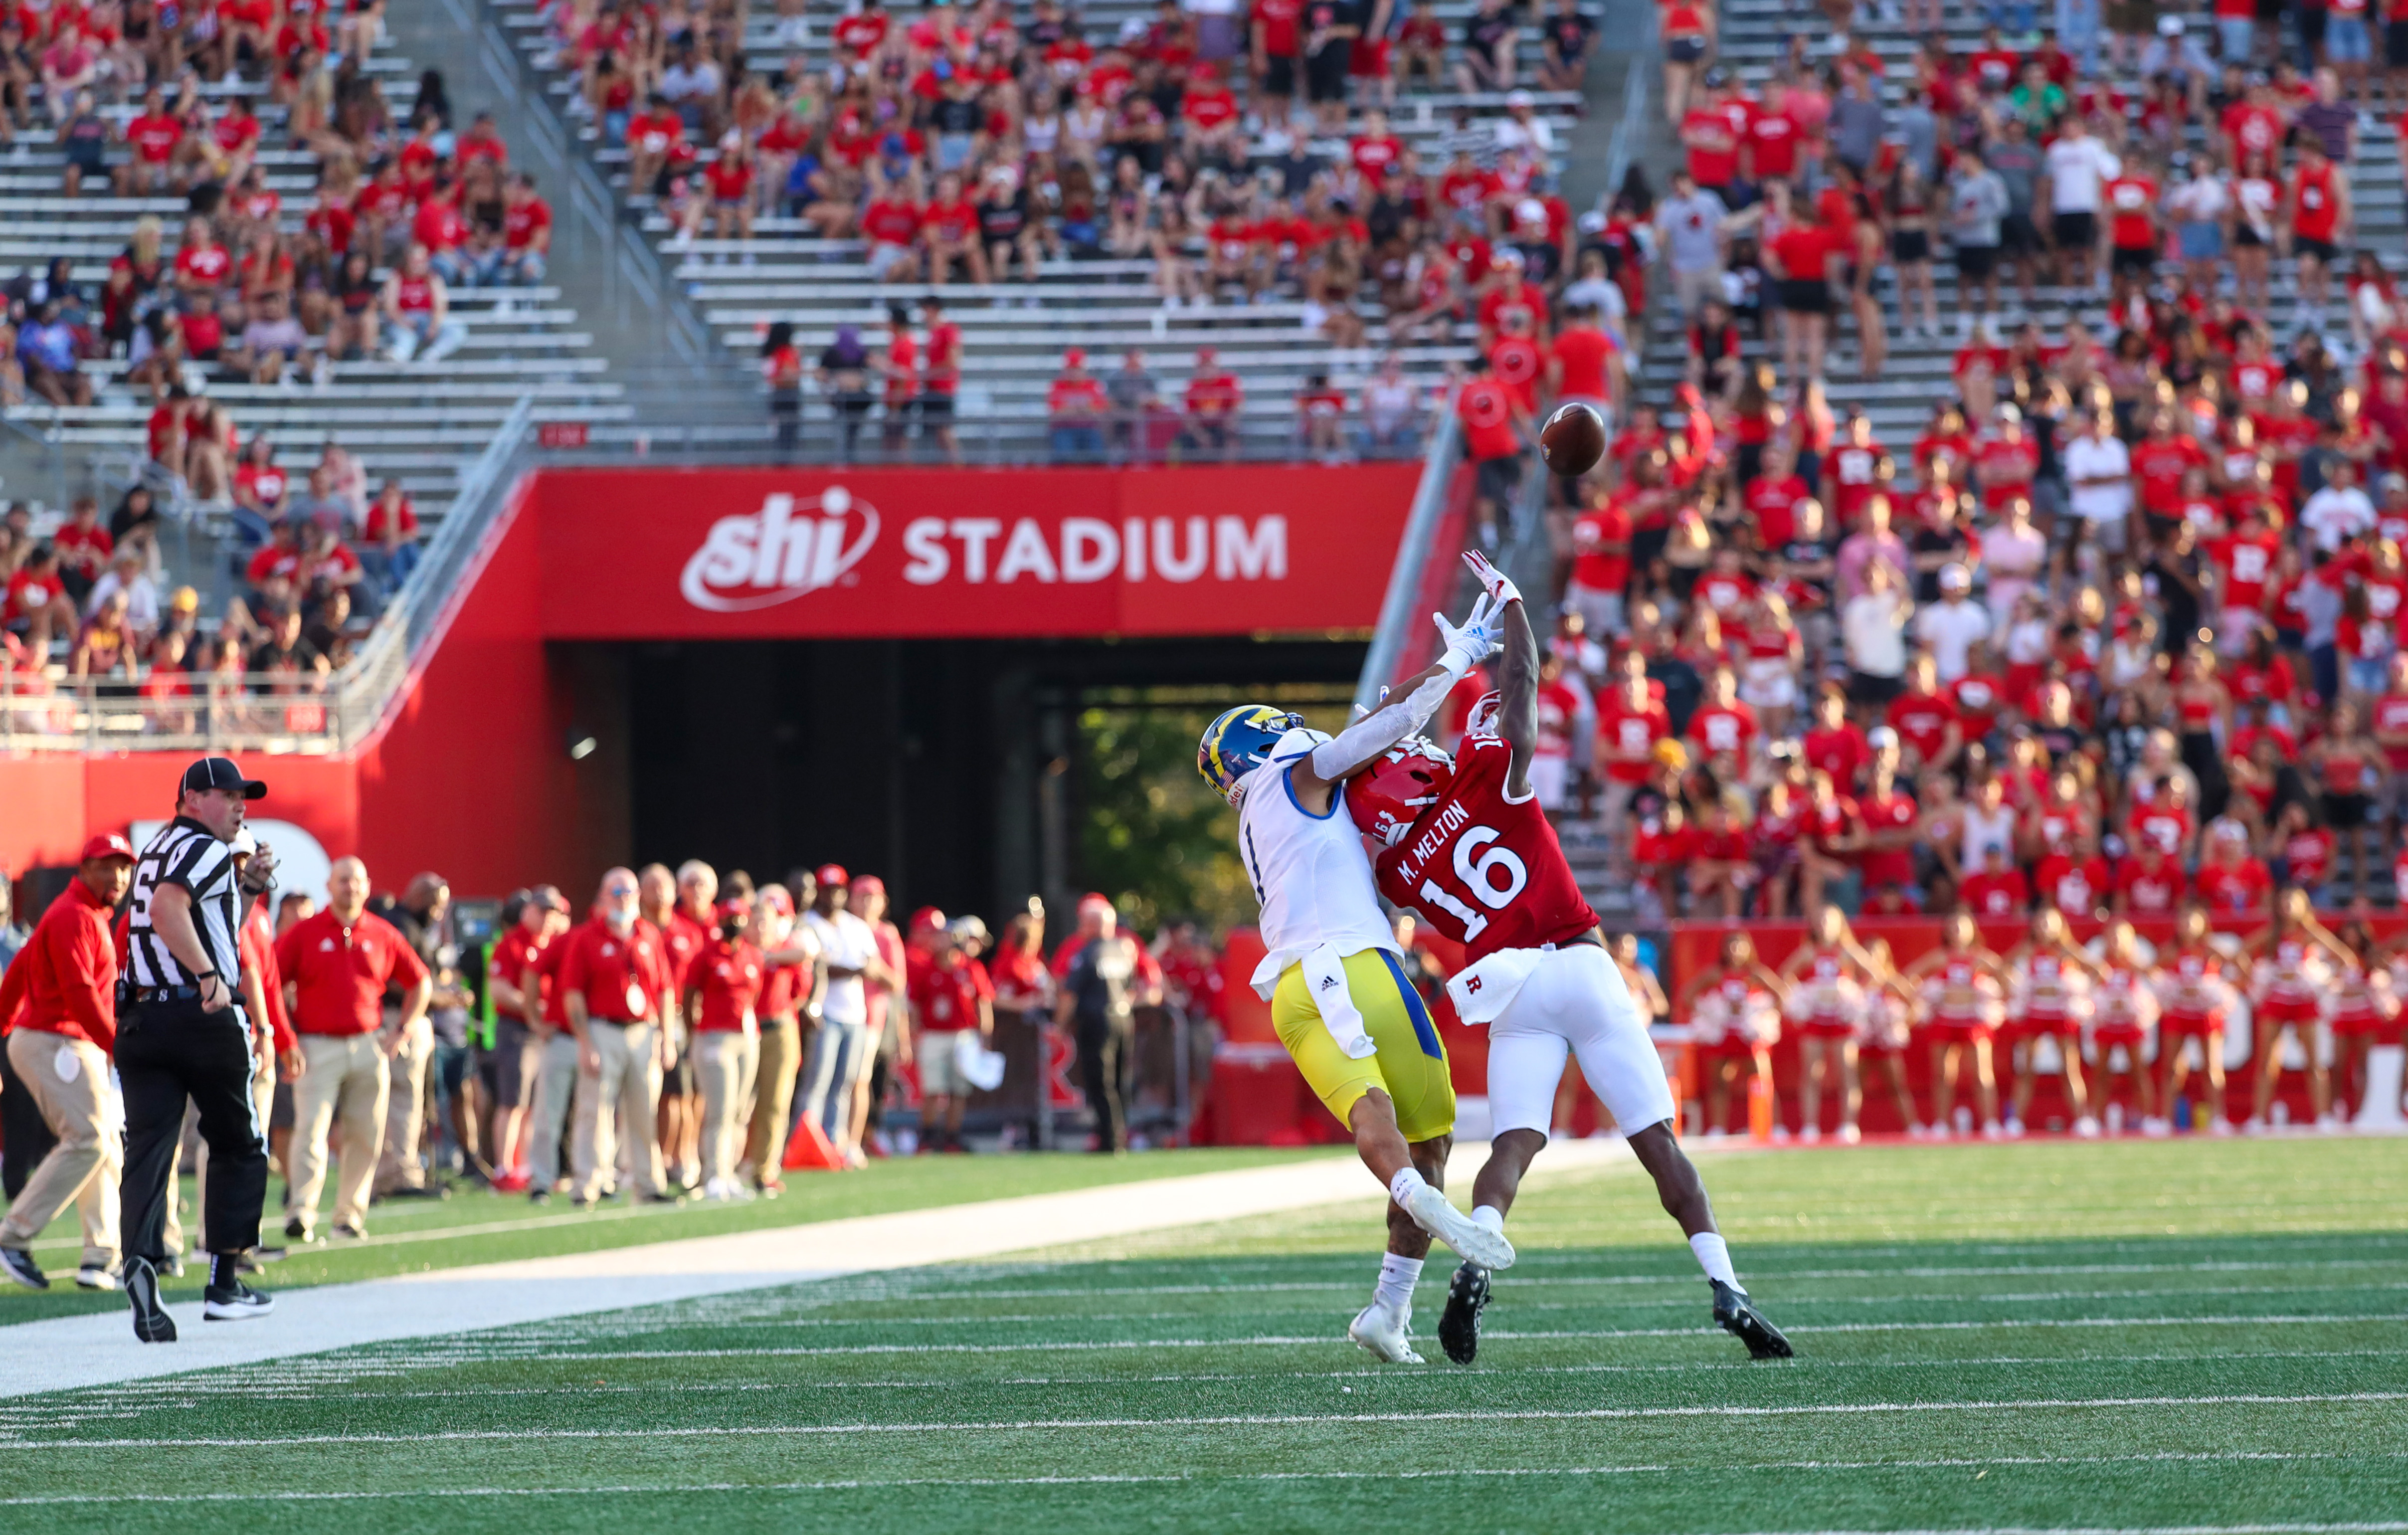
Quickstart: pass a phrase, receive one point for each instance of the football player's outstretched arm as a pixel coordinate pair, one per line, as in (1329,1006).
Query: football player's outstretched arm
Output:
(1517,679)
(1335,760)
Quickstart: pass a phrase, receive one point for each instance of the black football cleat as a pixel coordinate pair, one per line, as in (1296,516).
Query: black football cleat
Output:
(1736,1314)
(152,1323)
(1458,1325)
(234,1302)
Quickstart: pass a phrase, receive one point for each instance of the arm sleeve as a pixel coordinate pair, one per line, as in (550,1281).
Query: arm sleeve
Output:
(87,972)
(1374,733)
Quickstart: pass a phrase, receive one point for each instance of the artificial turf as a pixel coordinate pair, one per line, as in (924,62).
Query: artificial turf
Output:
(478,1226)
(2128,1336)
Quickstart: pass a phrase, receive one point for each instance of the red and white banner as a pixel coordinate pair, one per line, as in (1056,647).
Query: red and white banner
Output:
(802,554)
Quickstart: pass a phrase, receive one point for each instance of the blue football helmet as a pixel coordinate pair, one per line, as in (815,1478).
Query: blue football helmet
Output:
(1238,741)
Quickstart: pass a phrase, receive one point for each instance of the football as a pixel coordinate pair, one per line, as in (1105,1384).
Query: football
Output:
(1572,440)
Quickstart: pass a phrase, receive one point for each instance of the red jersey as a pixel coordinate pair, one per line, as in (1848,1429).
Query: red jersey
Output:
(1627,737)
(946,997)
(1841,751)
(1593,565)
(2151,892)
(1922,721)
(2076,886)
(1893,812)
(1483,868)
(1722,727)
(2247,562)
(2315,207)
(2238,887)
(2000,895)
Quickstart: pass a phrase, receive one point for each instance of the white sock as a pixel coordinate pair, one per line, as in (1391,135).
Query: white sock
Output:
(1398,1277)
(1713,1257)
(1401,1187)
(1489,1217)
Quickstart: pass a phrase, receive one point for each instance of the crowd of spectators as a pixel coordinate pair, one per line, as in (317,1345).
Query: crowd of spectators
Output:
(406,208)
(2128,602)
(89,612)
(1242,154)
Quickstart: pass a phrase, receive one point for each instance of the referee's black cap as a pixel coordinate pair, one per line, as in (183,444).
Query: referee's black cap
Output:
(220,773)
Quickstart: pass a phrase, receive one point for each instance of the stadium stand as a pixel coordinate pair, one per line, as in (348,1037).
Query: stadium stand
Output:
(1299,309)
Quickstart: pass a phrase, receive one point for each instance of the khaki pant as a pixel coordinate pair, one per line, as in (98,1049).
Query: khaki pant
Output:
(405,1111)
(622,1094)
(773,1096)
(342,1077)
(725,1064)
(548,1114)
(69,1081)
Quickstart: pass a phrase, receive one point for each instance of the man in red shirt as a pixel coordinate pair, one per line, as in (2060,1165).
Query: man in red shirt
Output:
(951,995)
(1722,725)
(554,1094)
(615,986)
(510,1065)
(1075,410)
(2149,884)
(336,967)
(58,1007)
(1997,889)
(2229,878)
(2074,881)
(1495,427)
(1517,361)
(1926,720)
(1890,817)
(1601,566)
(1214,398)
(153,135)
(526,233)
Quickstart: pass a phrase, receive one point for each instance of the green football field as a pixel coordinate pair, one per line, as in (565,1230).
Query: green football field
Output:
(2206,1336)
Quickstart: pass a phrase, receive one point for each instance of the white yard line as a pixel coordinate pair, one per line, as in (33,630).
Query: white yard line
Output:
(99,1348)
(1208,1479)
(1241,1420)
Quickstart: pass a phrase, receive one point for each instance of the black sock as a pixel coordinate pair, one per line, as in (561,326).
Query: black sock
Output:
(222,1271)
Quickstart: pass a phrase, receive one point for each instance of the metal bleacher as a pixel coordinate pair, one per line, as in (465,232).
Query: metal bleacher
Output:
(1754,39)
(1014,332)
(421,423)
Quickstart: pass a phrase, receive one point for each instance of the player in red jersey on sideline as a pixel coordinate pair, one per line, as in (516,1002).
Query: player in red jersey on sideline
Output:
(1469,847)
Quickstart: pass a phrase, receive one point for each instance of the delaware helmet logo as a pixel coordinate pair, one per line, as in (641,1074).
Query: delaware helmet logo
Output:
(791,547)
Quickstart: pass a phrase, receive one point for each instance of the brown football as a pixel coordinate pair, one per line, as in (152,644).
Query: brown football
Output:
(1572,440)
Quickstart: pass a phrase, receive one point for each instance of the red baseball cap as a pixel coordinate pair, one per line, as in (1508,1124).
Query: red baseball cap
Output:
(107,845)
(833,874)
(870,883)
(927,920)
(1095,900)
(737,907)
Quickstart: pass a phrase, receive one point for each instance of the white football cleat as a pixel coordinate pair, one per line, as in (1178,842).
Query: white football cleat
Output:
(2086,1127)
(1851,1135)
(1435,1214)
(1385,1334)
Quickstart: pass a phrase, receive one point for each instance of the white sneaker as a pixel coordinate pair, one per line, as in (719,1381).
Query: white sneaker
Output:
(2086,1127)
(1994,1131)
(1436,1214)
(1811,1135)
(1781,1135)
(1385,1334)
(1850,1135)
(2218,1124)
(2329,1124)
(95,1279)
(2155,1129)
(2254,1126)
(1917,1130)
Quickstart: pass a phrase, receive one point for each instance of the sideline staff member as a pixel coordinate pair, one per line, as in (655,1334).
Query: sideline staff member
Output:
(64,985)
(181,1034)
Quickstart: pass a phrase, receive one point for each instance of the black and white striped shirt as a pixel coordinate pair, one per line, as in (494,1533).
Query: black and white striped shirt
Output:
(185,854)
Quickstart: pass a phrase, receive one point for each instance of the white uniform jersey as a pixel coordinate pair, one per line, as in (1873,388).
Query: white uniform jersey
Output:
(1311,874)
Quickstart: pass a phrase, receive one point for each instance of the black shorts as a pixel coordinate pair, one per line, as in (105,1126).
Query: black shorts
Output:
(1498,478)
(1805,296)
(1976,262)
(1910,245)
(678,1081)
(934,407)
(2125,259)
(1866,688)
(2345,812)
(2244,236)
(2074,231)
(509,1069)
(2395,45)
(2324,251)
(1685,50)
(1324,74)
(2017,235)
(1279,77)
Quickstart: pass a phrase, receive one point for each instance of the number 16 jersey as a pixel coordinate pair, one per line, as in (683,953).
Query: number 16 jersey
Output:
(1483,867)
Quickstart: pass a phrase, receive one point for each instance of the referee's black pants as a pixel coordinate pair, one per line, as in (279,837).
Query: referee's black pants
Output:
(1106,1047)
(168,1052)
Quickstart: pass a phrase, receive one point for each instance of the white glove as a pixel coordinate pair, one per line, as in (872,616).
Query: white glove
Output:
(1499,586)
(1474,642)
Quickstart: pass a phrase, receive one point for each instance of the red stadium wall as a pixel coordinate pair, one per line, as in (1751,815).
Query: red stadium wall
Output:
(468,771)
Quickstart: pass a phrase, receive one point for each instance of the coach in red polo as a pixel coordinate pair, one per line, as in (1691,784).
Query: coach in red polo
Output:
(335,967)
(615,985)
(58,1005)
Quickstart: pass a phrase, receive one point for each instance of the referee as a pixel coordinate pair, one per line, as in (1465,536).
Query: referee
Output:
(181,1034)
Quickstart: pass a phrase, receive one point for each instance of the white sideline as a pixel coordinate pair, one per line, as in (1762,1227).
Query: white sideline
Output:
(61,1354)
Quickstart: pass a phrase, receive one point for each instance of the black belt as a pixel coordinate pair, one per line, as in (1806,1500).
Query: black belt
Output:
(166,994)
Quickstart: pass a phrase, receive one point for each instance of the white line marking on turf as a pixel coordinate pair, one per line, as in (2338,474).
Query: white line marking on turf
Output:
(1291,1420)
(99,1348)
(1208,1479)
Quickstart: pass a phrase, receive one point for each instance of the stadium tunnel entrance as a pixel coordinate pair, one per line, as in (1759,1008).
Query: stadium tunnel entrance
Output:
(958,770)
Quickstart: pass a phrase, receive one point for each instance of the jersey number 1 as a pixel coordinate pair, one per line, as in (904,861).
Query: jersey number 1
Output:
(1479,877)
